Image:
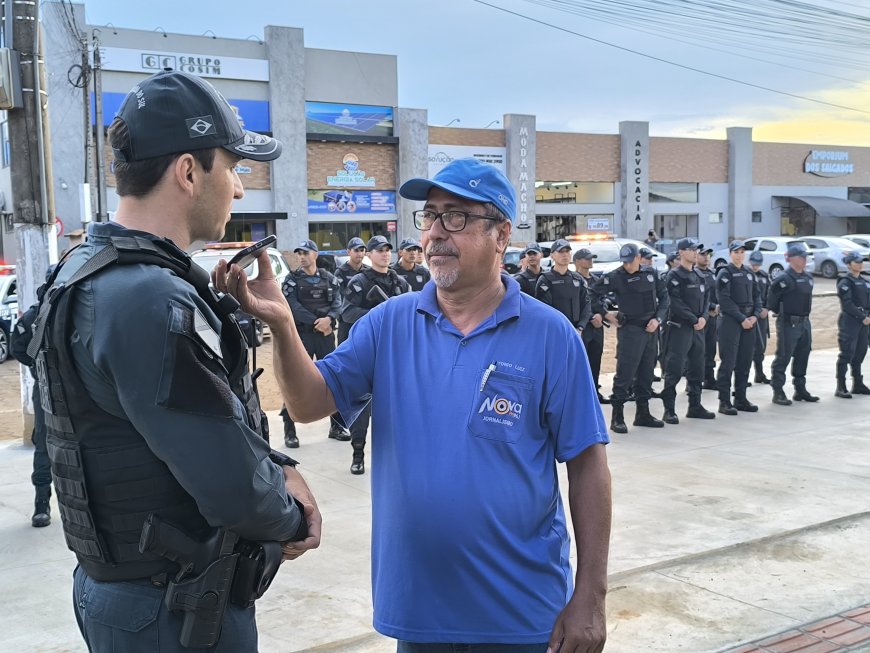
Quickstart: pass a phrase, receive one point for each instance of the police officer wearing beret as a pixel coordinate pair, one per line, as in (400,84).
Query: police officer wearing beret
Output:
(853,289)
(564,289)
(366,290)
(528,277)
(762,327)
(643,305)
(791,299)
(356,252)
(314,296)
(593,334)
(689,297)
(153,422)
(711,331)
(740,305)
(406,267)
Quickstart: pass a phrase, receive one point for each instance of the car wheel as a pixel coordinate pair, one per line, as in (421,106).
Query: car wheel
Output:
(775,269)
(829,269)
(4,344)
(720,263)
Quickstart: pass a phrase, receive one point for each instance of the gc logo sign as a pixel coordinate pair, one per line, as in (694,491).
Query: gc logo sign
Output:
(157,61)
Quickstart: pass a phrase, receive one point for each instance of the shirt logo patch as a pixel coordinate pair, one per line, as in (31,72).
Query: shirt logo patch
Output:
(501,406)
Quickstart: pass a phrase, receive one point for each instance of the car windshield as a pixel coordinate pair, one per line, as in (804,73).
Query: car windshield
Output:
(207,261)
(606,252)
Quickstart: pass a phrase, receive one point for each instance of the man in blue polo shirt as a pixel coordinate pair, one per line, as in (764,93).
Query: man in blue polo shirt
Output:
(469,538)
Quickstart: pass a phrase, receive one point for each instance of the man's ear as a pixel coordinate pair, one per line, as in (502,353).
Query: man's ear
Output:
(503,235)
(184,171)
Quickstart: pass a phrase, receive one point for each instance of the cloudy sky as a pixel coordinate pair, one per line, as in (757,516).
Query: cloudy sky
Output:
(575,70)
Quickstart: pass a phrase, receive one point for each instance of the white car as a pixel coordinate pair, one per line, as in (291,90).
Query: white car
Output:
(8,311)
(862,239)
(772,249)
(607,251)
(828,253)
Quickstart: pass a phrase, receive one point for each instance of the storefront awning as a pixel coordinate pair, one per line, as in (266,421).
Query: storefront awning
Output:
(831,207)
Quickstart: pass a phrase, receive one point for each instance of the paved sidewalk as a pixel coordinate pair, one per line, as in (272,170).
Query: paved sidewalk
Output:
(725,532)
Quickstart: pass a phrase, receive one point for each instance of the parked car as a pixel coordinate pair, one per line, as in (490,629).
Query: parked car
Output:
(607,251)
(828,252)
(8,311)
(510,262)
(862,239)
(208,257)
(772,249)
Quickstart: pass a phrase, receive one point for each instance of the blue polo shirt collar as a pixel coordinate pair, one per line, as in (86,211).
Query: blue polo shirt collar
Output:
(509,308)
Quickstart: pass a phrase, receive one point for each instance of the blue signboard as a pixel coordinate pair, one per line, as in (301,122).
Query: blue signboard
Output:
(353,119)
(252,114)
(336,202)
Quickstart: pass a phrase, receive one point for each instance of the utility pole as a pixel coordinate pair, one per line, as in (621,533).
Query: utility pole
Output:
(102,214)
(30,168)
(85,81)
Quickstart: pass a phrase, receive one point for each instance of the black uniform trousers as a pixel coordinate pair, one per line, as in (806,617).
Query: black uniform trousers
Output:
(360,426)
(317,346)
(711,335)
(41,463)
(762,334)
(593,340)
(852,337)
(736,348)
(685,352)
(794,339)
(635,363)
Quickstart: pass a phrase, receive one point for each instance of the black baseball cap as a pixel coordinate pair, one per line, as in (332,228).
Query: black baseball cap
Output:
(306,245)
(532,247)
(688,243)
(756,257)
(410,243)
(584,253)
(646,252)
(735,245)
(628,252)
(559,245)
(173,112)
(377,242)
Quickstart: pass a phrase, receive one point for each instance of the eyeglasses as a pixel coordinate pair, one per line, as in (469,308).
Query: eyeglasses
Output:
(452,221)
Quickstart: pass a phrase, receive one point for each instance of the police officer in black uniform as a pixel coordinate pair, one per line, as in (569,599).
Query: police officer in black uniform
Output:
(643,304)
(853,289)
(762,328)
(365,291)
(406,267)
(154,429)
(711,330)
(687,315)
(528,278)
(356,252)
(564,289)
(791,299)
(314,296)
(593,334)
(740,305)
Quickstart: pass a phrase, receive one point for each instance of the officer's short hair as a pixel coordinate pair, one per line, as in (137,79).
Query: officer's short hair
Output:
(138,178)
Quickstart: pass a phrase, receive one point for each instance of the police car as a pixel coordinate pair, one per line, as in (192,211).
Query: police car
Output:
(208,257)
(606,248)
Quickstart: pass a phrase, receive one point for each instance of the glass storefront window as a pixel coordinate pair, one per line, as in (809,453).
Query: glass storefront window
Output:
(551,227)
(673,192)
(333,236)
(860,195)
(574,192)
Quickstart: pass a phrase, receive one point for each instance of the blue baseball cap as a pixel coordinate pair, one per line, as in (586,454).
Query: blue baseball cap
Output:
(408,243)
(628,252)
(688,243)
(735,245)
(558,244)
(796,249)
(355,243)
(377,242)
(756,257)
(852,257)
(470,179)
(308,245)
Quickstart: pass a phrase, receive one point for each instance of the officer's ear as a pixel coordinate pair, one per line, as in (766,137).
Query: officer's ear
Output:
(184,170)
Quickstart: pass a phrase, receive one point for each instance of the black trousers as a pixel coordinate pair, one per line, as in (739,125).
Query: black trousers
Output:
(635,363)
(711,335)
(593,340)
(317,346)
(41,463)
(736,347)
(852,337)
(685,352)
(762,334)
(794,340)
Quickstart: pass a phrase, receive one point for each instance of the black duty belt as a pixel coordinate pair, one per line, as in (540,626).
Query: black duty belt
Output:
(638,322)
(796,319)
(746,308)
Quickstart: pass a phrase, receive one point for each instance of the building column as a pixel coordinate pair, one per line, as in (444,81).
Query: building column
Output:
(635,218)
(739,182)
(286,54)
(412,129)
(520,136)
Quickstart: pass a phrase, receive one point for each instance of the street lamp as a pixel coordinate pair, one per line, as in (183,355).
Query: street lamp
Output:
(494,122)
(452,121)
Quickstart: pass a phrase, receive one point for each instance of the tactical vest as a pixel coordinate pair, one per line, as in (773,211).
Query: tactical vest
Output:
(859,288)
(798,296)
(636,293)
(693,290)
(528,281)
(742,284)
(566,291)
(106,478)
(763,282)
(345,273)
(317,297)
(388,282)
(416,276)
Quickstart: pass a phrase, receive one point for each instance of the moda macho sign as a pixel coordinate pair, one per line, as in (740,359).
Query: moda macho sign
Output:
(351,175)
(828,163)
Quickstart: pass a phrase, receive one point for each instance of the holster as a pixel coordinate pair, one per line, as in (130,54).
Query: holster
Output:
(257,565)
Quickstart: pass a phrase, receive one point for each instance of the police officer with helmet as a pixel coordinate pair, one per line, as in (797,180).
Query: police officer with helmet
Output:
(762,327)
(791,299)
(643,303)
(366,290)
(564,289)
(689,297)
(740,306)
(406,267)
(314,296)
(169,494)
(853,289)
(528,277)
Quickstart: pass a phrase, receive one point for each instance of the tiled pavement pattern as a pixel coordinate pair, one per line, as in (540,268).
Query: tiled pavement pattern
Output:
(848,631)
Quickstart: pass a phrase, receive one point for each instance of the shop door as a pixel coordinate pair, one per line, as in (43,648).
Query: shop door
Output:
(671,227)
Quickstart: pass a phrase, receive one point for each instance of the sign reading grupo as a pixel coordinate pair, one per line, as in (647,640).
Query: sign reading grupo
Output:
(827,163)
(204,65)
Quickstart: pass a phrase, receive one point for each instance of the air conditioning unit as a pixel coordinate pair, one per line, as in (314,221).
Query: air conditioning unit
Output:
(10,79)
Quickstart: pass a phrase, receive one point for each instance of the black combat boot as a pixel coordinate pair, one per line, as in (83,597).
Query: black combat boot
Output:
(290,439)
(710,383)
(858,387)
(801,394)
(743,404)
(726,408)
(358,464)
(759,375)
(841,392)
(779,397)
(697,411)
(338,432)
(642,417)
(617,419)
(670,416)
(42,511)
